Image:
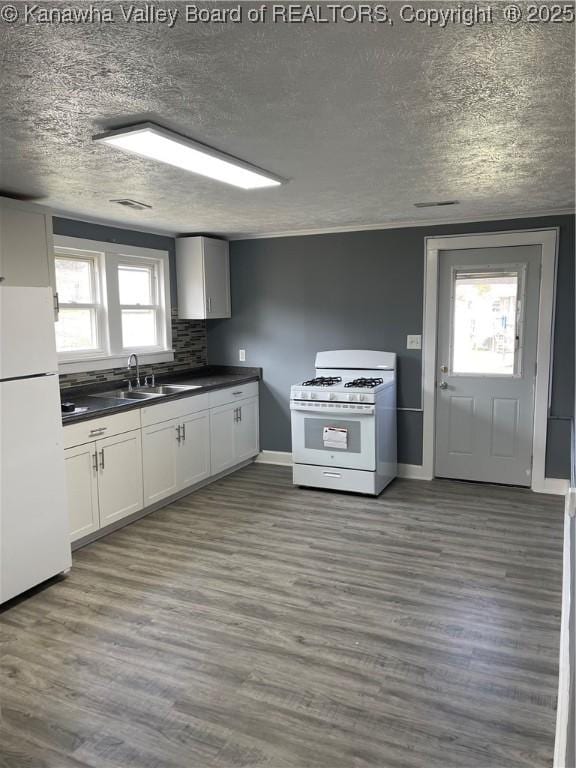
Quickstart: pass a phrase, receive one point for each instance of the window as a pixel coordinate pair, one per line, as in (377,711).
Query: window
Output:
(485,323)
(77,279)
(114,300)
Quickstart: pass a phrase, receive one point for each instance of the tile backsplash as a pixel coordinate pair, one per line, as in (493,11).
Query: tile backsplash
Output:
(188,342)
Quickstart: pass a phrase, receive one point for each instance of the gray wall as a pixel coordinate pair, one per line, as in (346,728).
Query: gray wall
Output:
(294,296)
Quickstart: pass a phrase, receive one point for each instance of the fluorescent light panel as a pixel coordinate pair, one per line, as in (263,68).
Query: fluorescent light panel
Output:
(157,143)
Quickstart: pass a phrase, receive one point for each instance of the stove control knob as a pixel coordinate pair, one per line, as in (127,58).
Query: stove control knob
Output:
(312,395)
(332,396)
(352,397)
(363,398)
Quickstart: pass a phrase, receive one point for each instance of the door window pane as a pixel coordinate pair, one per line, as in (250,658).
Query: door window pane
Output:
(485,323)
(138,328)
(136,284)
(75,281)
(76,329)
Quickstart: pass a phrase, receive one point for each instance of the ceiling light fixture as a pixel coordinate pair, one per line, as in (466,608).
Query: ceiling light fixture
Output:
(436,204)
(152,141)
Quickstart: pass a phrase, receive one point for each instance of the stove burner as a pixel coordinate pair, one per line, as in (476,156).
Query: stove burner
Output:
(364,383)
(322,381)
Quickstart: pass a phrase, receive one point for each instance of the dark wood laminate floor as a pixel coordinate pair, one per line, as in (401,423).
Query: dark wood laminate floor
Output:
(257,624)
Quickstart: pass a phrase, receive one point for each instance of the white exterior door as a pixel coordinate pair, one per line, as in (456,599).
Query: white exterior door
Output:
(222,440)
(82,487)
(246,429)
(194,449)
(119,476)
(160,456)
(486,364)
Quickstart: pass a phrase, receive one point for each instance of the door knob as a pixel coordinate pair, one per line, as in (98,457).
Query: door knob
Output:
(443,385)
(444,368)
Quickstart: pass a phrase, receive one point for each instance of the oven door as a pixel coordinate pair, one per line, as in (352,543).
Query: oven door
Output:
(331,435)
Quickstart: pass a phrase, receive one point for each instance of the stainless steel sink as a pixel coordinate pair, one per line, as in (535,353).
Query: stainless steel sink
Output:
(127,394)
(147,393)
(170,389)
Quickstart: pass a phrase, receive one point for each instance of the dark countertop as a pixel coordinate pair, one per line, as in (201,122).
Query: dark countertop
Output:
(209,378)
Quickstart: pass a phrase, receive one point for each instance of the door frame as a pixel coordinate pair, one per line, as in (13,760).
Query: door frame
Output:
(548,240)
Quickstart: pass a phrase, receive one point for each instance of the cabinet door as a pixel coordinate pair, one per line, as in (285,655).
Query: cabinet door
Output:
(194,449)
(119,476)
(222,441)
(159,460)
(82,487)
(24,247)
(216,278)
(246,437)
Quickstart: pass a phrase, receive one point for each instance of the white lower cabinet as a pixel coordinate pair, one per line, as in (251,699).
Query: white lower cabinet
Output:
(233,433)
(176,455)
(119,476)
(104,481)
(82,485)
(152,453)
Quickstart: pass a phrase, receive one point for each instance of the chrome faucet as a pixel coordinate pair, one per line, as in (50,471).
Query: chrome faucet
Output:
(135,357)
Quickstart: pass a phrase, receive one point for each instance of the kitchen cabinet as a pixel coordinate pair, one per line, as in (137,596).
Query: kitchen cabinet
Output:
(233,433)
(119,476)
(82,487)
(103,476)
(119,464)
(26,245)
(176,455)
(203,278)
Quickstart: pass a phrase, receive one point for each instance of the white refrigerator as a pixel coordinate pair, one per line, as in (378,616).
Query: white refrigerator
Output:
(34,535)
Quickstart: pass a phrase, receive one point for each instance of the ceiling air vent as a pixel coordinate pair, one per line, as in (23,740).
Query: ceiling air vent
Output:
(436,203)
(135,205)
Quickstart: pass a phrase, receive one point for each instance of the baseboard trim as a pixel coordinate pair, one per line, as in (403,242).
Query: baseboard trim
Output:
(554,485)
(284,459)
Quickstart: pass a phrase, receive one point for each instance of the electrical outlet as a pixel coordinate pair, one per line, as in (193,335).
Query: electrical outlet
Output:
(414,342)
(242,355)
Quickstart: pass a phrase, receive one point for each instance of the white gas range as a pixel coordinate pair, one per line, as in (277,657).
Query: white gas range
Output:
(344,422)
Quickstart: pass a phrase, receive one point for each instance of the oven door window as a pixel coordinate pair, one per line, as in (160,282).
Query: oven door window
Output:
(346,435)
(328,440)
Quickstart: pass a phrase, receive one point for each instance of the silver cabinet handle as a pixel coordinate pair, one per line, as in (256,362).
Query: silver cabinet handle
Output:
(97,431)
(95,465)
(240,413)
(443,385)
(56,304)
(178,431)
(332,474)
(184,432)
(209,304)
(239,392)
(102,459)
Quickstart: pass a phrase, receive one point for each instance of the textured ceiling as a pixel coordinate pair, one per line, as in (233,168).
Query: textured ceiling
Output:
(365,120)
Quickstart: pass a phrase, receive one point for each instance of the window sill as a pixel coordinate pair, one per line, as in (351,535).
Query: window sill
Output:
(117,361)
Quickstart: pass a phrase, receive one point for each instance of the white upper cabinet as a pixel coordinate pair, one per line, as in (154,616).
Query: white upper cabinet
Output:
(26,245)
(203,278)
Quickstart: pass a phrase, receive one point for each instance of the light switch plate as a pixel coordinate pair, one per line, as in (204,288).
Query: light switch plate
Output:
(414,342)
(242,355)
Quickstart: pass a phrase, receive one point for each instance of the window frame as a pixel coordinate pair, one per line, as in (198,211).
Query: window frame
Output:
(98,305)
(112,353)
(492,269)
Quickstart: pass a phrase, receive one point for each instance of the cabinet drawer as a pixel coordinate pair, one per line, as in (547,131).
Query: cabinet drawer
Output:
(96,429)
(154,414)
(231,394)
